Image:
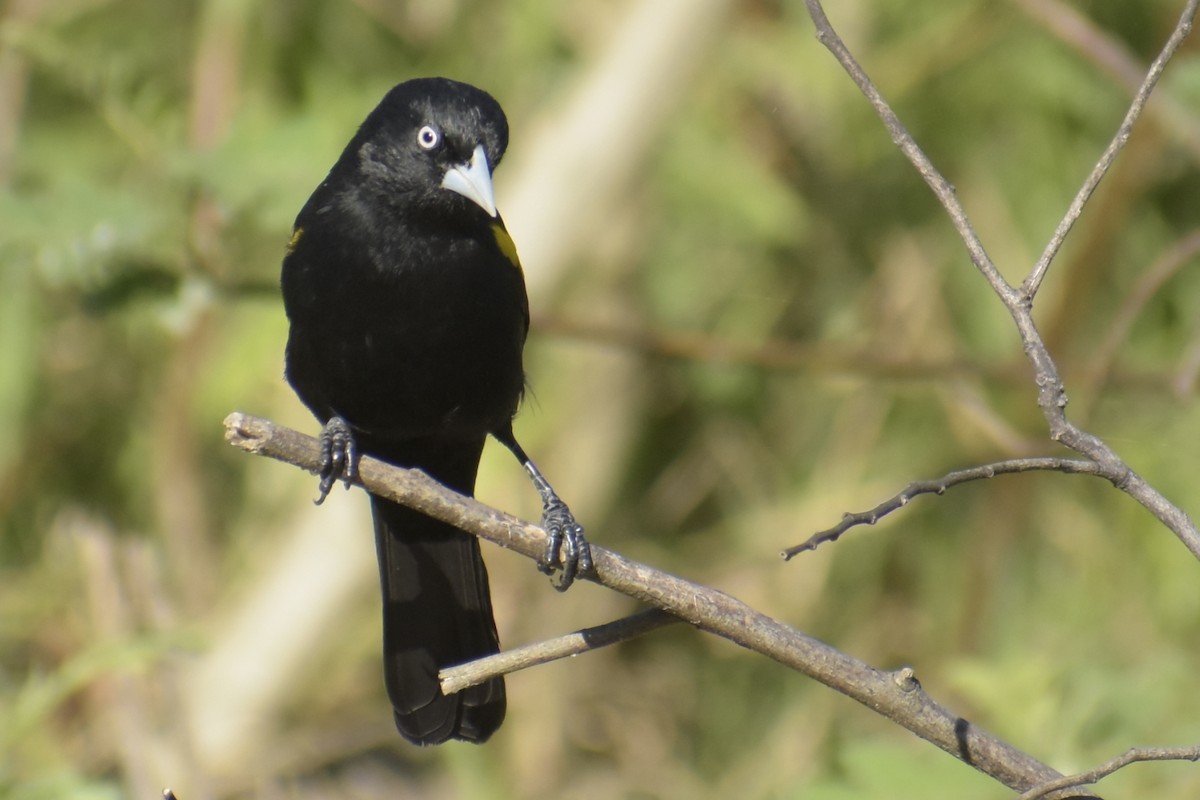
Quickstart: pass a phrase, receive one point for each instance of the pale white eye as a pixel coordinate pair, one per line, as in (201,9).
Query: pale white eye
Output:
(429,137)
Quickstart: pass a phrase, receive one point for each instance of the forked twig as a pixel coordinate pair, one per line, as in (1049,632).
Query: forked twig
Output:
(1052,397)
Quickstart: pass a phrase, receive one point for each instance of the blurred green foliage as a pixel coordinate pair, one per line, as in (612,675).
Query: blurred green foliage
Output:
(156,153)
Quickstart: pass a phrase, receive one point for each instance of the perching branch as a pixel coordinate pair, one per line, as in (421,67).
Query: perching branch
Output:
(939,486)
(896,695)
(1052,397)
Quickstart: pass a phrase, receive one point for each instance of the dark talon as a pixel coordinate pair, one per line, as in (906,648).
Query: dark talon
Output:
(553,543)
(567,549)
(339,456)
(583,551)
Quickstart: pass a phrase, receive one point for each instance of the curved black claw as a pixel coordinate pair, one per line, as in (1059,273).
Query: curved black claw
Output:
(567,549)
(339,456)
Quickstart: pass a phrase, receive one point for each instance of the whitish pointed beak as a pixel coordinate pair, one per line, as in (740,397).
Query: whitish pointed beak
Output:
(473,180)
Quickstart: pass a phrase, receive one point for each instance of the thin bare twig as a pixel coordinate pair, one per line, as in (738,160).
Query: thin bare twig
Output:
(1052,396)
(1131,756)
(896,695)
(939,486)
(455,679)
(1033,282)
(941,187)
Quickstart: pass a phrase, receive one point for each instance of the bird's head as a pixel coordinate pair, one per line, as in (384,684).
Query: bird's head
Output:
(430,143)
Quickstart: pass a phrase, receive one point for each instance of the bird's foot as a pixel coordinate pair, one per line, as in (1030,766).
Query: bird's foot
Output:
(567,550)
(339,456)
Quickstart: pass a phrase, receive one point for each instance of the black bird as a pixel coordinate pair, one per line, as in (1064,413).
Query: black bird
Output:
(408,316)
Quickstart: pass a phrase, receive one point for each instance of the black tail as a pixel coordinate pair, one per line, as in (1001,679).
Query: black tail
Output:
(437,612)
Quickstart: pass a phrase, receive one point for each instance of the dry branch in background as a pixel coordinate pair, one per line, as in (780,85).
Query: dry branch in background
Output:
(896,695)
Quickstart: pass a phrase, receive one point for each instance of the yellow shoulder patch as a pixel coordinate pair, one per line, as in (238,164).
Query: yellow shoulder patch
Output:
(295,240)
(505,243)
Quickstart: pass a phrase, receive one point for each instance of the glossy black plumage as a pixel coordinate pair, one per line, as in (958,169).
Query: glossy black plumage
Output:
(408,316)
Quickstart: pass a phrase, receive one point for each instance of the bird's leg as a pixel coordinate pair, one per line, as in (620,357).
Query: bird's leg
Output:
(339,456)
(567,549)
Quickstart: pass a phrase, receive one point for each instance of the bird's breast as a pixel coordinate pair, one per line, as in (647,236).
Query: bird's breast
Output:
(432,342)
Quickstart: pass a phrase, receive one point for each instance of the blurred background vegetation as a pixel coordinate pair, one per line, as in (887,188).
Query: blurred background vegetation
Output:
(750,317)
